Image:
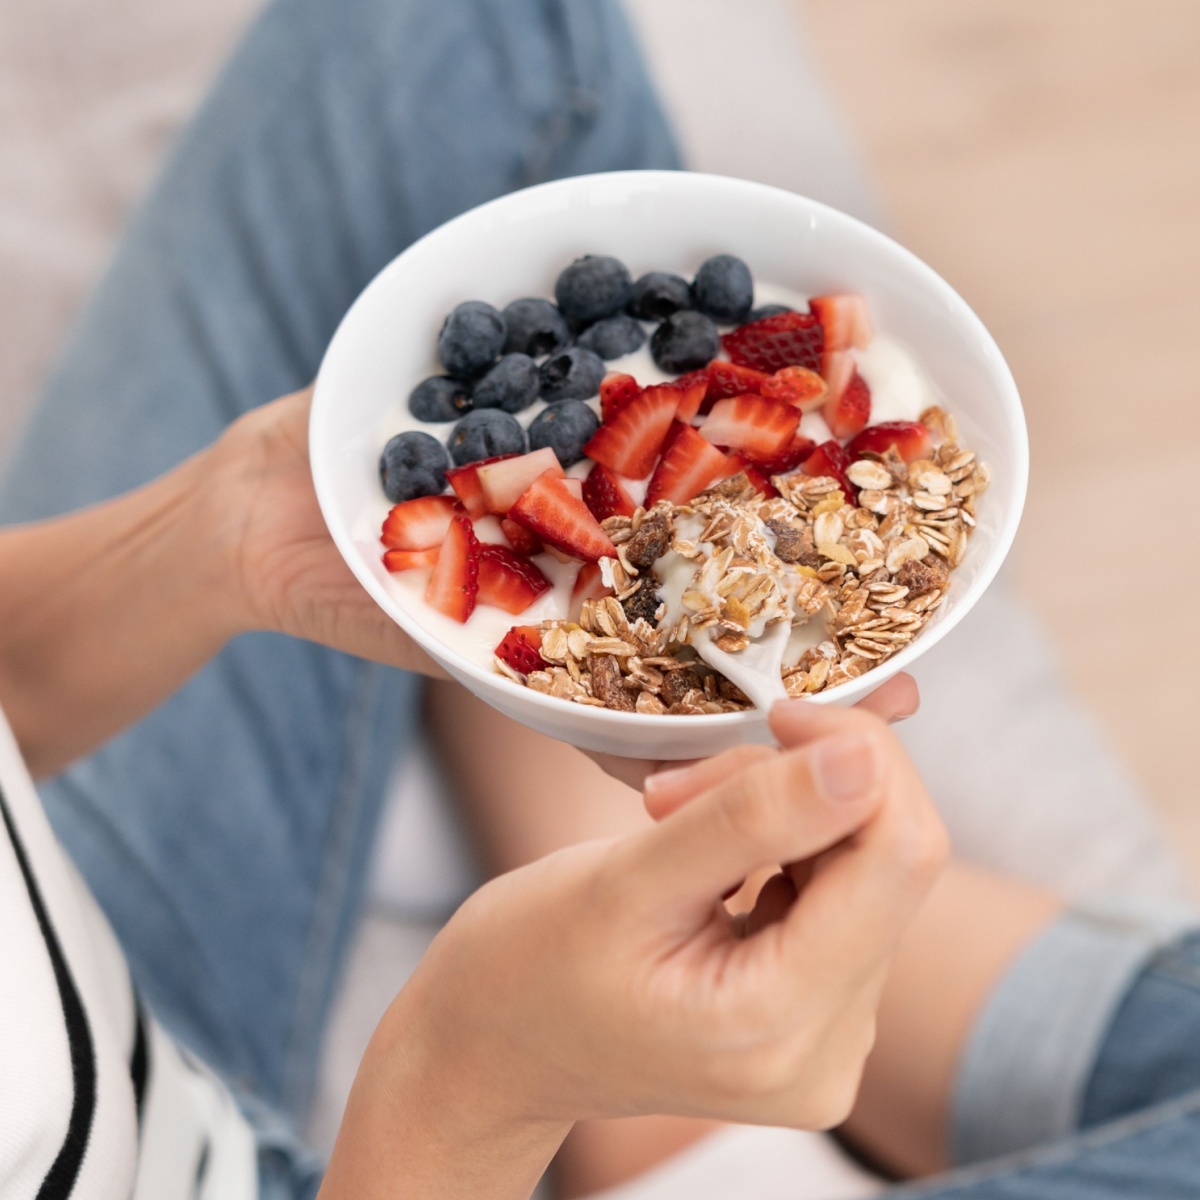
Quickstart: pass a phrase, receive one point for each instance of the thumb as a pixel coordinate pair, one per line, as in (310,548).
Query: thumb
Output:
(779,808)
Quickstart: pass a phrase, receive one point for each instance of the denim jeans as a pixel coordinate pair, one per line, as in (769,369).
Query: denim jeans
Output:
(227,834)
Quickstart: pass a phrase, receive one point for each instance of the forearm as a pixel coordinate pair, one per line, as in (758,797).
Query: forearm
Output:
(105,612)
(420,1121)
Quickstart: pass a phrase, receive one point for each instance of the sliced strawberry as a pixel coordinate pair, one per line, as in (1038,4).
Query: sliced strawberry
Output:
(454,583)
(789,459)
(758,427)
(589,585)
(418,524)
(831,460)
(762,484)
(562,520)
(728,379)
(692,393)
(465,482)
(849,413)
(845,318)
(630,442)
(689,465)
(797,386)
(574,486)
(605,496)
(502,482)
(406,560)
(911,439)
(508,580)
(521,648)
(838,368)
(616,391)
(519,538)
(790,339)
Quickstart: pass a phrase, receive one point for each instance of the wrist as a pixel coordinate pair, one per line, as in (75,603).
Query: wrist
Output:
(438,1117)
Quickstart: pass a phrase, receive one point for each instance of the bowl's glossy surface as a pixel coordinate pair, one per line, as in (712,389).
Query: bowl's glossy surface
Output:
(515,246)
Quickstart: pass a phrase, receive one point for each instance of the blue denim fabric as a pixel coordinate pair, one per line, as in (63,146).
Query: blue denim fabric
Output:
(227,835)
(1140,1112)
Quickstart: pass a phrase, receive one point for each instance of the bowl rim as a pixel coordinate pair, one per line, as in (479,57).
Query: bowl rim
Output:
(486,680)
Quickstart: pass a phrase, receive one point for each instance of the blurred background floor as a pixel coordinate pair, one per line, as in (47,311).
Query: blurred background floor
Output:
(1041,156)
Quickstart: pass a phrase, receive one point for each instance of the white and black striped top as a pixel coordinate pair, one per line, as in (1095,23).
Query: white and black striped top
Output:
(96,1102)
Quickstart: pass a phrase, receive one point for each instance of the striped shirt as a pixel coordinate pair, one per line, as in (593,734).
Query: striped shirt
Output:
(96,1101)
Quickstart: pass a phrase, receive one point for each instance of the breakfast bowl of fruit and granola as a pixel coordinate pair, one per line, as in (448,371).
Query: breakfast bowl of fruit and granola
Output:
(632,456)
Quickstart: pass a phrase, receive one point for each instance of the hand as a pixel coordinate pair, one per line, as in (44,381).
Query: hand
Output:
(609,980)
(289,575)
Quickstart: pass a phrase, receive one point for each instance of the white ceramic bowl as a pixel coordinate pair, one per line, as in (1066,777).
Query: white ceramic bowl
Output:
(666,220)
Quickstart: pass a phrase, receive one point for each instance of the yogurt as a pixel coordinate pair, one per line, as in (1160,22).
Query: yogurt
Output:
(900,391)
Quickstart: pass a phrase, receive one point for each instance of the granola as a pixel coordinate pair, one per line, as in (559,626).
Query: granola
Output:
(862,579)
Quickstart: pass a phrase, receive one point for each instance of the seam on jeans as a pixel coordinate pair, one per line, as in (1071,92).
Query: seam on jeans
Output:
(1024,1162)
(328,909)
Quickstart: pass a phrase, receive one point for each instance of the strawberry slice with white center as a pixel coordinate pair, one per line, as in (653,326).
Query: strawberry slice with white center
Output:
(831,460)
(845,318)
(408,560)
(561,520)
(630,442)
(616,391)
(837,369)
(508,580)
(797,386)
(465,482)
(605,495)
(519,538)
(454,582)
(521,648)
(758,427)
(910,438)
(689,465)
(691,396)
(418,524)
(502,482)
(848,413)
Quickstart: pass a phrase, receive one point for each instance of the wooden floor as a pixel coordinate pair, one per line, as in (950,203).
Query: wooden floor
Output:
(1044,158)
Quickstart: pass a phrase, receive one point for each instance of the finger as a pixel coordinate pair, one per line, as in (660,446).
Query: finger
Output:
(861,895)
(666,790)
(779,808)
(799,722)
(895,700)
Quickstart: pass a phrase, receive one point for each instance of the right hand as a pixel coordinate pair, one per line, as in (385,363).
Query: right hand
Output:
(609,980)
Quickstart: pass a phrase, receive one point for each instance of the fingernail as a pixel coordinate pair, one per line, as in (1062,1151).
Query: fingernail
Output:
(845,768)
(661,780)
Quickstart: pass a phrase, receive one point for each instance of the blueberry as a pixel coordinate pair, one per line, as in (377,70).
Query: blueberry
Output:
(471,339)
(768,310)
(512,384)
(574,374)
(592,287)
(685,341)
(440,398)
(565,428)
(412,464)
(724,289)
(535,327)
(485,433)
(612,337)
(659,294)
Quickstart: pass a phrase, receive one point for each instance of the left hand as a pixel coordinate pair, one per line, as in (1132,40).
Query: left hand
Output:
(288,574)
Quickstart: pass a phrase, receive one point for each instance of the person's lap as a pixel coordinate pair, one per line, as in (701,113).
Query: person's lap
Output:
(339,133)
